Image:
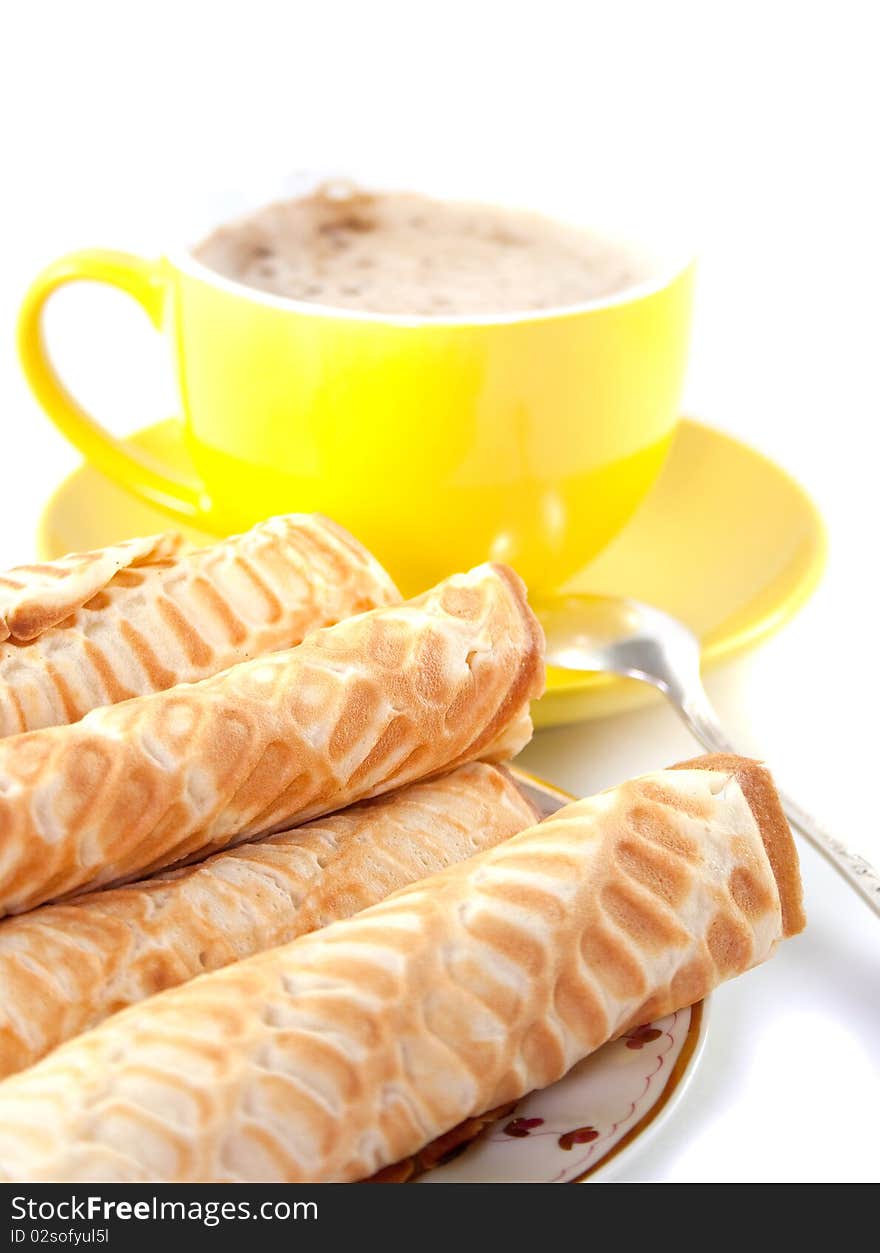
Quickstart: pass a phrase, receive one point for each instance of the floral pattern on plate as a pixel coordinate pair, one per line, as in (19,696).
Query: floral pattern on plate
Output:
(563,1133)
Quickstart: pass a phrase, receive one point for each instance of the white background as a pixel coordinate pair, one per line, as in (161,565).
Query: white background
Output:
(123,123)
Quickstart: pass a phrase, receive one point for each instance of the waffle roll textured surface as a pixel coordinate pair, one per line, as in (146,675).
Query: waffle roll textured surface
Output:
(96,628)
(35,598)
(64,968)
(377,701)
(350,1049)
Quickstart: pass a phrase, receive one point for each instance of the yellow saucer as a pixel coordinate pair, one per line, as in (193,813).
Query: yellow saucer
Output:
(726,541)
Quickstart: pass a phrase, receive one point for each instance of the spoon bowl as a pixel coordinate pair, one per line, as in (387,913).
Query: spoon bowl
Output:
(616,635)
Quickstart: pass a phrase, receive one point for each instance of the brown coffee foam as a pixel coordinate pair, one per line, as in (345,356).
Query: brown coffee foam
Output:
(403,253)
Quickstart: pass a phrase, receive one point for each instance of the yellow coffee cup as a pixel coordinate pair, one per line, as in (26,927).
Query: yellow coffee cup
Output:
(440,442)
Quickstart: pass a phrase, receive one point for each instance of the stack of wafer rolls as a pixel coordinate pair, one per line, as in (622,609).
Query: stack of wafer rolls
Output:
(377,701)
(334,1056)
(64,968)
(96,628)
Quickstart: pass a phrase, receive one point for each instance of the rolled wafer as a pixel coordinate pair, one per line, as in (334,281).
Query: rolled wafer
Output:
(332,1057)
(64,968)
(35,598)
(377,701)
(96,628)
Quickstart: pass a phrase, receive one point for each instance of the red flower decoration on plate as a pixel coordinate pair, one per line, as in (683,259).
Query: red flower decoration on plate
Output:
(519,1128)
(641,1036)
(581,1135)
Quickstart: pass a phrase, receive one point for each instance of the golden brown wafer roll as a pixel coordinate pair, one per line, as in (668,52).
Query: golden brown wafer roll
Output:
(35,598)
(348,1050)
(138,617)
(377,701)
(64,968)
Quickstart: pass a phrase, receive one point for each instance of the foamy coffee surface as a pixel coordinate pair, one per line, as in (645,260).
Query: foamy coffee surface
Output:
(404,253)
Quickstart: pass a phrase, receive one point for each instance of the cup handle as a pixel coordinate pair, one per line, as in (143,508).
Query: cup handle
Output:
(147,282)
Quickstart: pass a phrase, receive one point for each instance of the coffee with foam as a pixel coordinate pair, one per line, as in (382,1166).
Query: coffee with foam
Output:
(406,254)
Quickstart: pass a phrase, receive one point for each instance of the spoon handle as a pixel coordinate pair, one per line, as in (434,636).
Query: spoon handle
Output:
(702,721)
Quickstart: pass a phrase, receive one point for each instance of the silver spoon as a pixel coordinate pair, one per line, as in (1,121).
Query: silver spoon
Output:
(626,637)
